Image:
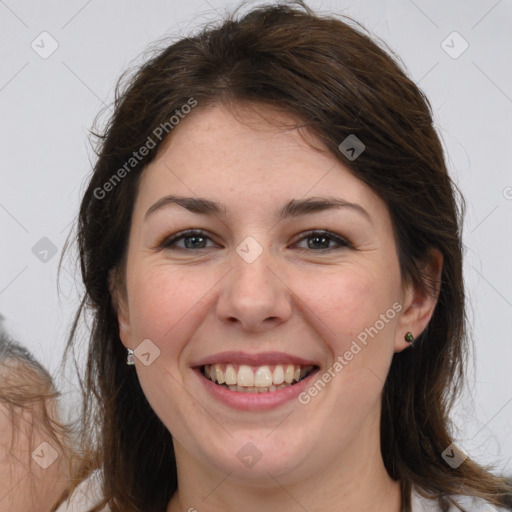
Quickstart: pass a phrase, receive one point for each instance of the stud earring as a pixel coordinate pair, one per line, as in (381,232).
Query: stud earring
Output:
(409,337)
(129,357)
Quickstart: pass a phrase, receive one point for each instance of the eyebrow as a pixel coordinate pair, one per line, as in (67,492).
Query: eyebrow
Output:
(293,208)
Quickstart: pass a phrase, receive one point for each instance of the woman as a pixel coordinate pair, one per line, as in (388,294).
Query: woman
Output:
(34,445)
(271,250)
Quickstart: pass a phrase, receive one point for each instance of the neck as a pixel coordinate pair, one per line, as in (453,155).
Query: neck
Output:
(351,481)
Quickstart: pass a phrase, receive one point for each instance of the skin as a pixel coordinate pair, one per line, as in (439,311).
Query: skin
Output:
(296,298)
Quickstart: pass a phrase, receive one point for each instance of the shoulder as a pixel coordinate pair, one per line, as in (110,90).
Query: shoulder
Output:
(86,496)
(467,503)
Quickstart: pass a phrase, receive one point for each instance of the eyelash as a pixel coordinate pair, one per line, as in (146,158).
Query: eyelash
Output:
(168,243)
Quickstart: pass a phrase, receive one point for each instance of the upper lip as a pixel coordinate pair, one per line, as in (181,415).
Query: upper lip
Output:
(260,359)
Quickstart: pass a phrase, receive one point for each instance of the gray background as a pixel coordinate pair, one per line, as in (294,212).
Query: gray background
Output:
(48,104)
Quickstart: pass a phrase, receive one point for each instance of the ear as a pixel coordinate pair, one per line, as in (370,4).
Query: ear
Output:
(119,300)
(420,301)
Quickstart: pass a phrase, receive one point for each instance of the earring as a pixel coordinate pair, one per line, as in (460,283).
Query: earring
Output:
(409,337)
(129,357)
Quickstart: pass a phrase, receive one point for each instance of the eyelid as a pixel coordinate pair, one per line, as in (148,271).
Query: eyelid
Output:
(167,241)
(340,240)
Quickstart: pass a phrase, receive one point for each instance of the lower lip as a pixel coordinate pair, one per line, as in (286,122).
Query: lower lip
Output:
(255,401)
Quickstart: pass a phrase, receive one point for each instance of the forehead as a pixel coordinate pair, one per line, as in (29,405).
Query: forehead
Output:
(254,155)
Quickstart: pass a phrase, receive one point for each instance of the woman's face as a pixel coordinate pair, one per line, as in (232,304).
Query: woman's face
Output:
(256,292)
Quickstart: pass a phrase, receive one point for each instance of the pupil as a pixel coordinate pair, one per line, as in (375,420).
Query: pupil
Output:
(325,241)
(194,239)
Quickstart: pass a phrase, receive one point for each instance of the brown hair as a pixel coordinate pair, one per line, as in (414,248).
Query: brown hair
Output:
(29,401)
(337,81)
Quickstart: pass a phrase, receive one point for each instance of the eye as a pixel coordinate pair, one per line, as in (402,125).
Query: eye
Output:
(193,239)
(319,240)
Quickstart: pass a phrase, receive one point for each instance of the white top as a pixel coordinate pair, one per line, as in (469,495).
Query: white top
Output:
(88,494)
(468,503)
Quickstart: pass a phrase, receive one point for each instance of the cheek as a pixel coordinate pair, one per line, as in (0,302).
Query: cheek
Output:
(350,299)
(150,299)
(164,303)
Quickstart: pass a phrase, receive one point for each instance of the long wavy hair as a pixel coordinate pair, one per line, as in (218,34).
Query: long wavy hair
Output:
(327,73)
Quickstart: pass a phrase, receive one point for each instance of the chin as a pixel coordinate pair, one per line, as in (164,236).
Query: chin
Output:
(256,459)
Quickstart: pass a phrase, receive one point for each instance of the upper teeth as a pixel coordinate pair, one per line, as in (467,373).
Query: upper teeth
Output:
(257,376)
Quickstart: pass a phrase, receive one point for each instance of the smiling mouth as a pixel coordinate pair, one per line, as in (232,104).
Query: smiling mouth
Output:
(255,379)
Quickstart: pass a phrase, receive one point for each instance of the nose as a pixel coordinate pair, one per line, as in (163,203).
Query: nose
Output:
(254,294)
